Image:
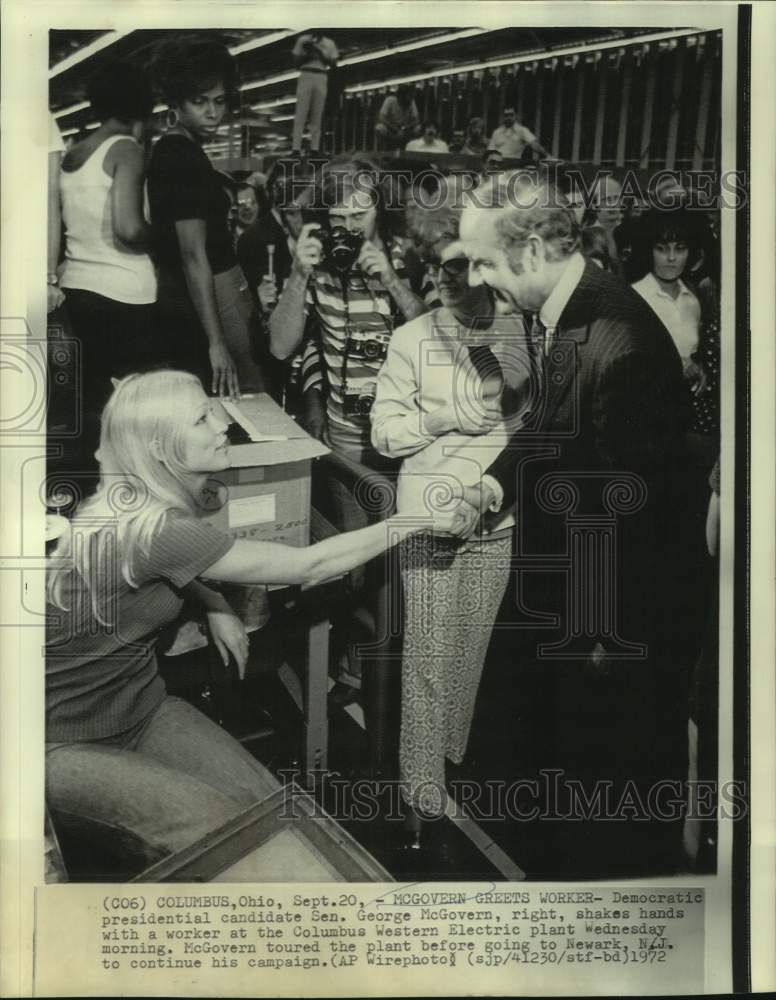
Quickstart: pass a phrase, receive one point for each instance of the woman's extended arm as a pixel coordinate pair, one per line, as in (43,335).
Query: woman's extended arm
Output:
(270,562)
(125,159)
(192,235)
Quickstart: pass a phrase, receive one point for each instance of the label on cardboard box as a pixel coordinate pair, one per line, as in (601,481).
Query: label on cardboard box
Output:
(251,510)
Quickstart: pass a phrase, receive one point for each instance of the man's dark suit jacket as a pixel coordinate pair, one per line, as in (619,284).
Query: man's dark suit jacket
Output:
(615,410)
(614,407)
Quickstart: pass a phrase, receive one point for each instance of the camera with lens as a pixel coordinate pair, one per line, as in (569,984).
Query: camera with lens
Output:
(372,346)
(340,247)
(358,404)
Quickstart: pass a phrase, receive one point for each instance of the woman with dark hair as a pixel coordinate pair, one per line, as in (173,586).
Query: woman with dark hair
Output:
(203,298)
(666,243)
(108,274)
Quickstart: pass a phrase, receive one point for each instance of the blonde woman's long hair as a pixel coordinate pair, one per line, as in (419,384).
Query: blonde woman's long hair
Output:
(143,479)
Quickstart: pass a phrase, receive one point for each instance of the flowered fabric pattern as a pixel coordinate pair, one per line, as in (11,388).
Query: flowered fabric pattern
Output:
(452,594)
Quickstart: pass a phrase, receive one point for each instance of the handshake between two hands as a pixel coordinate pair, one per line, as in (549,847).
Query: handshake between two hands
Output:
(461,516)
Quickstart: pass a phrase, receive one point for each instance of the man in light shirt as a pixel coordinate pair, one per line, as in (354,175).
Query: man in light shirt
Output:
(608,414)
(511,138)
(429,142)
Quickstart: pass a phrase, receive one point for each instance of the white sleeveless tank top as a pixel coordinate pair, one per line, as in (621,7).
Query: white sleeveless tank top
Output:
(95,260)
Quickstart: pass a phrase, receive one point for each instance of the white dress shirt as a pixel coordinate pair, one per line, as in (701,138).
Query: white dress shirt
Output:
(511,141)
(681,316)
(421,146)
(549,316)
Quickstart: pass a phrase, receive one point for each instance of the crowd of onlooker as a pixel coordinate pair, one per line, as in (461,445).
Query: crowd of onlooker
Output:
(316,285)
(399,128)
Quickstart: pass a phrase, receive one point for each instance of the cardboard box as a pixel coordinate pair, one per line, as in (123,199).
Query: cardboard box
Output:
(265,494)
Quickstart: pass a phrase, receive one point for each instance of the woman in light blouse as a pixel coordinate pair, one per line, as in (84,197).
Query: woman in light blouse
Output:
(449,395)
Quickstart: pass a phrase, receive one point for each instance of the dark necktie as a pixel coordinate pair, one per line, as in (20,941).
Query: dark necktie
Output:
(488,368)
(537,340)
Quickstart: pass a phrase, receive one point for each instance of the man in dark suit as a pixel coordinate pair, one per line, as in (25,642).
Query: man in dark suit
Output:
(602,580)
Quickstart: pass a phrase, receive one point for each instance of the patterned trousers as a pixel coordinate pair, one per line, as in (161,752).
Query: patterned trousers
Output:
(452,593)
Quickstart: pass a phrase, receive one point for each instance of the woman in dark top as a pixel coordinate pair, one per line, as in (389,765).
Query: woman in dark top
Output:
(203,296)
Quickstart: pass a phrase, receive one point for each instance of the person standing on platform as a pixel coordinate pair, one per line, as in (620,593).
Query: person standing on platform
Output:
(315,54)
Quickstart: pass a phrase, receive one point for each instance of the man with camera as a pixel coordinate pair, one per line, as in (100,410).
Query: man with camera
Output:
(348,281)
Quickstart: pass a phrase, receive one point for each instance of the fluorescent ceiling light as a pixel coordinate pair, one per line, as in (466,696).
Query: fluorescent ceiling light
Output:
(267,105)
(269,80)
(275,119)
(71,110)
(538,56)
(421,43)
(109,38)
(257,43)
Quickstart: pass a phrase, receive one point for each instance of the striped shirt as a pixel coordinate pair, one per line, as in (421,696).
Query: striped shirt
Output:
(350,312)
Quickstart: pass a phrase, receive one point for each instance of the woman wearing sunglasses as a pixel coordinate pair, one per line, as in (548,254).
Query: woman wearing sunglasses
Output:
(453,386)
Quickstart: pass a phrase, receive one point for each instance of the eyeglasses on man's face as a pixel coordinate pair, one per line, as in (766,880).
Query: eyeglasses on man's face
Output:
(455,267)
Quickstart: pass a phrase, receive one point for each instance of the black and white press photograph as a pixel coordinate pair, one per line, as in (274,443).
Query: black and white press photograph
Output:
(384,453)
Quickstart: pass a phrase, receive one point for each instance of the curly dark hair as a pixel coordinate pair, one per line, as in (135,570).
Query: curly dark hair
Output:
(121,90)
(664,226)
(186,67)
